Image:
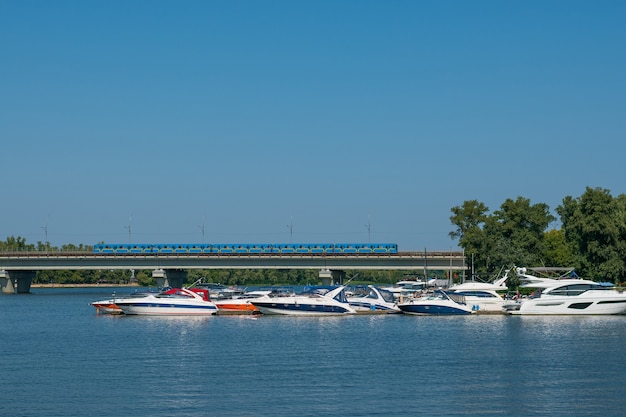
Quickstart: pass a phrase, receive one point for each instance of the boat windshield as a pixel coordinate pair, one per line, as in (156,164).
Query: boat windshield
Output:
(576,289)
(341,297)
(387,295)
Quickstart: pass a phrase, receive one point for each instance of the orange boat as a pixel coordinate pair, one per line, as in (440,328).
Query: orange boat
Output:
(241,304)
(106,307)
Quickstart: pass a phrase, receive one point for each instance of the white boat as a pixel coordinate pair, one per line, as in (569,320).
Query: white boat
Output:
(176,301)
(435,303)
(569,296)
(107,306)
(406,289)
(483,297)
(314,301)
(370,299)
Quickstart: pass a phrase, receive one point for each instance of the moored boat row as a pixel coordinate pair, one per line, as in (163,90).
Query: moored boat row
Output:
(553,296)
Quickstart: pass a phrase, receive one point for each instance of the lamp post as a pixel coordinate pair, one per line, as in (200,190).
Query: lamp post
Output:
(45,229)
(129,229)
(290,227)
(202,230)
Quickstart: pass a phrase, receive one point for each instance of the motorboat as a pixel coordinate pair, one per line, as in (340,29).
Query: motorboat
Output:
(313,301)
(175,301)
(483,297)
(241,304)
(406,289)
(370,299)
(568,296)
(436,303)
(107,307)
(220,291)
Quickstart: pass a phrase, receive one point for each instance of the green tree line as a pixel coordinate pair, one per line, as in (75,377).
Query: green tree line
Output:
(591,237)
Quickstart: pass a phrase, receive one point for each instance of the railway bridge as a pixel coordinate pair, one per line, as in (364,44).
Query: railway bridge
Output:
(17,270)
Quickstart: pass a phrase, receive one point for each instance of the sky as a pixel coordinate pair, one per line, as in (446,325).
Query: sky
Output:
(319,121)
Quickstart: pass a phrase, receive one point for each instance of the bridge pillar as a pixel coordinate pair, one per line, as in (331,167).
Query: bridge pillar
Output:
(174,278)
(16,281)
(6,284)
(332,276)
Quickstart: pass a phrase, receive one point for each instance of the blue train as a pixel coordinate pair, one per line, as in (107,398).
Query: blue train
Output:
(246,248)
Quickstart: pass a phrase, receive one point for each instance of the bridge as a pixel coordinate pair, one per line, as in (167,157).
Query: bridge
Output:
(17,270)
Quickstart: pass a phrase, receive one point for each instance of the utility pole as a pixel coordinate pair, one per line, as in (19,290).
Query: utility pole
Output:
(45,229)
(290,227)
(202,229)
(129,229)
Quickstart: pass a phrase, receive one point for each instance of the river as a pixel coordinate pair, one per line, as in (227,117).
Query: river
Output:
(59,358)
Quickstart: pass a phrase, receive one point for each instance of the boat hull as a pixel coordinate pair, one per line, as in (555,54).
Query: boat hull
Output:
(433,309)
(152,309)
(363,307)
(107,307)
(236,308)
(579,306)
(285,307)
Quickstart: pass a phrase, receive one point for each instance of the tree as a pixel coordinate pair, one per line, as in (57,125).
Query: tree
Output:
(469,220)
(595,224)
(557,250)
(522,228)
(16,244)
(514,234)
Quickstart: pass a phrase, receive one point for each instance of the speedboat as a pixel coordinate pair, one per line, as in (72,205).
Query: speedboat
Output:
(435,303)
(176,301)
(570,296)
(483,297)
(220,291)
(313,301)
(240,304)
(371,299)
(107,307)
(406,289)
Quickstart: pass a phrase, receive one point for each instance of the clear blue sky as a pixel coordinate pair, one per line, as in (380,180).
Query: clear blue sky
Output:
(247,116)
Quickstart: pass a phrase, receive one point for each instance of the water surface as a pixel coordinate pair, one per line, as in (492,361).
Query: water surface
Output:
(59,358)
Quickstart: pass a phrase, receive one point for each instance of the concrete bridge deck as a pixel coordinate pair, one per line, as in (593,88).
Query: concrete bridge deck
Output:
(18,269)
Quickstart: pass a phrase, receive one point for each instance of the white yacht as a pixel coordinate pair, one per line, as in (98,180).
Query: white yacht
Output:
(568,296)
(436,303)
(483,297)
(175,301)
(314,301)
(406,289)
(371,299)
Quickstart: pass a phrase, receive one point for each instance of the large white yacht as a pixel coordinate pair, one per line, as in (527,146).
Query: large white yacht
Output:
(568,296)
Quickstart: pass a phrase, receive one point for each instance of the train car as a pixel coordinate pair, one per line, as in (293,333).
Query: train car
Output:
(227,248)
